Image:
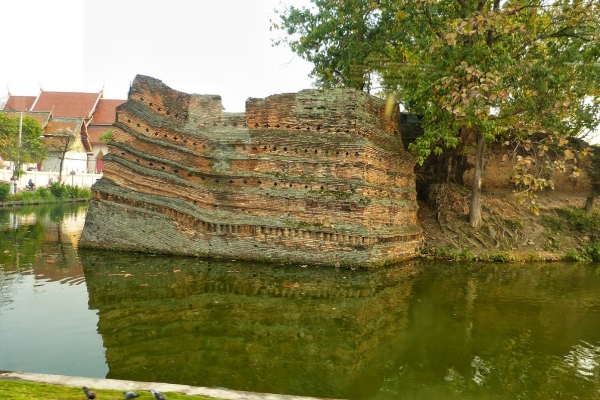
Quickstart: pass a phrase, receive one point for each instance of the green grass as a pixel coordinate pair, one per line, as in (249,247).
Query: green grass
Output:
(449,253)
(19,390)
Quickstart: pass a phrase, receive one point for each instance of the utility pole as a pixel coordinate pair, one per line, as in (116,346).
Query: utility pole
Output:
(20,140)
(18,161)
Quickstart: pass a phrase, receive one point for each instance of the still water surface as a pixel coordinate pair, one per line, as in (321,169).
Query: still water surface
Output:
(413,331)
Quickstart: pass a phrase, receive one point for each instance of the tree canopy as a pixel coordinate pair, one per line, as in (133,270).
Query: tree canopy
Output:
(476,71)
(32,148)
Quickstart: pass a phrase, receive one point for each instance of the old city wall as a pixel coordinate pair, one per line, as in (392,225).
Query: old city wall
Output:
(498,168)
(320,176)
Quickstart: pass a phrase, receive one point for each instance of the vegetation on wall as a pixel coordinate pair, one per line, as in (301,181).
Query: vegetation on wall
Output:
(106,136)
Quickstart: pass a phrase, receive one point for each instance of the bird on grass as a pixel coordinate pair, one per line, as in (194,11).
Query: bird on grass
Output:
(130,395)
(88,393)
(158,395)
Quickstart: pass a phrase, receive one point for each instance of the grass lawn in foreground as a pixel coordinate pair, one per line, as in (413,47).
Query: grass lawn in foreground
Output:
(19,390)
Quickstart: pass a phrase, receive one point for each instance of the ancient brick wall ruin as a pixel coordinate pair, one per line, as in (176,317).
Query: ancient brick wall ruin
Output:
(319,177)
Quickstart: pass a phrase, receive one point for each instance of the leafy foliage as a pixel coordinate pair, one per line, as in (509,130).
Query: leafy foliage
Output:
(340,39)
(32,148)
(4,191)
(583,223)
(62,191)
(57,193)
(106,136)
(475,71)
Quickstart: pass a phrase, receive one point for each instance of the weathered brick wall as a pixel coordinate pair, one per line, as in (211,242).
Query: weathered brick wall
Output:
(319,176)
(497,169)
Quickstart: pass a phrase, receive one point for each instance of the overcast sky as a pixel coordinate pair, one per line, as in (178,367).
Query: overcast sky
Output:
(196,46)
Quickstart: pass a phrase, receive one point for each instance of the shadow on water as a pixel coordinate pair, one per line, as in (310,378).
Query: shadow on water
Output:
(246,326)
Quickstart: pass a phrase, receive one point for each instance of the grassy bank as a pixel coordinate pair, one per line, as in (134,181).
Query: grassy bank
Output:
(560,231)
(18,390)
(56,193)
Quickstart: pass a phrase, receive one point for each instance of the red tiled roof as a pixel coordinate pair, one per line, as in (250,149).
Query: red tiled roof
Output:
(19,103)
(106,111)
(95,131)
(67,104)
(61,127)
(41,117)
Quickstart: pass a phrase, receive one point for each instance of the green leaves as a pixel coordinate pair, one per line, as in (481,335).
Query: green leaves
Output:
(32,149)
(500,70)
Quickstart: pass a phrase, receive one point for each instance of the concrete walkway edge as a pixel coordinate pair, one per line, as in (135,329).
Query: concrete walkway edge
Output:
(115,384)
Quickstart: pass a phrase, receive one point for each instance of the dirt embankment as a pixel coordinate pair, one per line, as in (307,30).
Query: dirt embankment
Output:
(511,232)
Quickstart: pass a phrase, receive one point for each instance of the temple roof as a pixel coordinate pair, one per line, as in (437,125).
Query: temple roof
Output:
(95,131)
(41,117)
(19,103)
(106,111)
(67,104)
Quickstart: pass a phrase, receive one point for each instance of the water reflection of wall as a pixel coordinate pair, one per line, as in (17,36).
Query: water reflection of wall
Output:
(44,239)
(249,327)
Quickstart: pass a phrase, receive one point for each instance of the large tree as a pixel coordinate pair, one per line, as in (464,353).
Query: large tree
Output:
(340,38)
(31,147)
(483,70)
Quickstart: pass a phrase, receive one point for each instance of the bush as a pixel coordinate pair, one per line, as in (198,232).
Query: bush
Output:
(589,253)
(581,222)
(62,191)
(502,257)
(58,190)
(43,193)
(27,197)
(4,191)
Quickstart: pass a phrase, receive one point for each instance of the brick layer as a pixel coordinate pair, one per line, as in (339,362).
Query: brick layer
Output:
(315,177)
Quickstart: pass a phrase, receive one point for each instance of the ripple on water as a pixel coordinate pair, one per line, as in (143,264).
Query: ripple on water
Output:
(584,360)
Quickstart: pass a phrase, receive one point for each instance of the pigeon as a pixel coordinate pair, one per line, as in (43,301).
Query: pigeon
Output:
(158,395)
(130,395)
(88,393)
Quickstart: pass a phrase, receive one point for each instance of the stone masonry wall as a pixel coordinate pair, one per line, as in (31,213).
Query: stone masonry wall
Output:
(320,177)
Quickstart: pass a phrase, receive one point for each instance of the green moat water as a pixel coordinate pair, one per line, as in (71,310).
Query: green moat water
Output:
(414,331)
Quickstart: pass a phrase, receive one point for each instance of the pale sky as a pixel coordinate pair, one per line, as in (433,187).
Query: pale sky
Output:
(196,46)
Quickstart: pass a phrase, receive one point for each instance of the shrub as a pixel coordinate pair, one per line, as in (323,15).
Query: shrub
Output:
(58,190)
(501,257)
(4,191)
(589,253)
(43,193)
(27,197)
(581,222)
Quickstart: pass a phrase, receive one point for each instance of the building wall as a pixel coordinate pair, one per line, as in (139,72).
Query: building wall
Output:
(318,176)
(74,161)
(40,178)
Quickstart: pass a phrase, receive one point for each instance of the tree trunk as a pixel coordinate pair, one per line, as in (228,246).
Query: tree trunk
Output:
(475,212)
(62,160)
(589,205)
